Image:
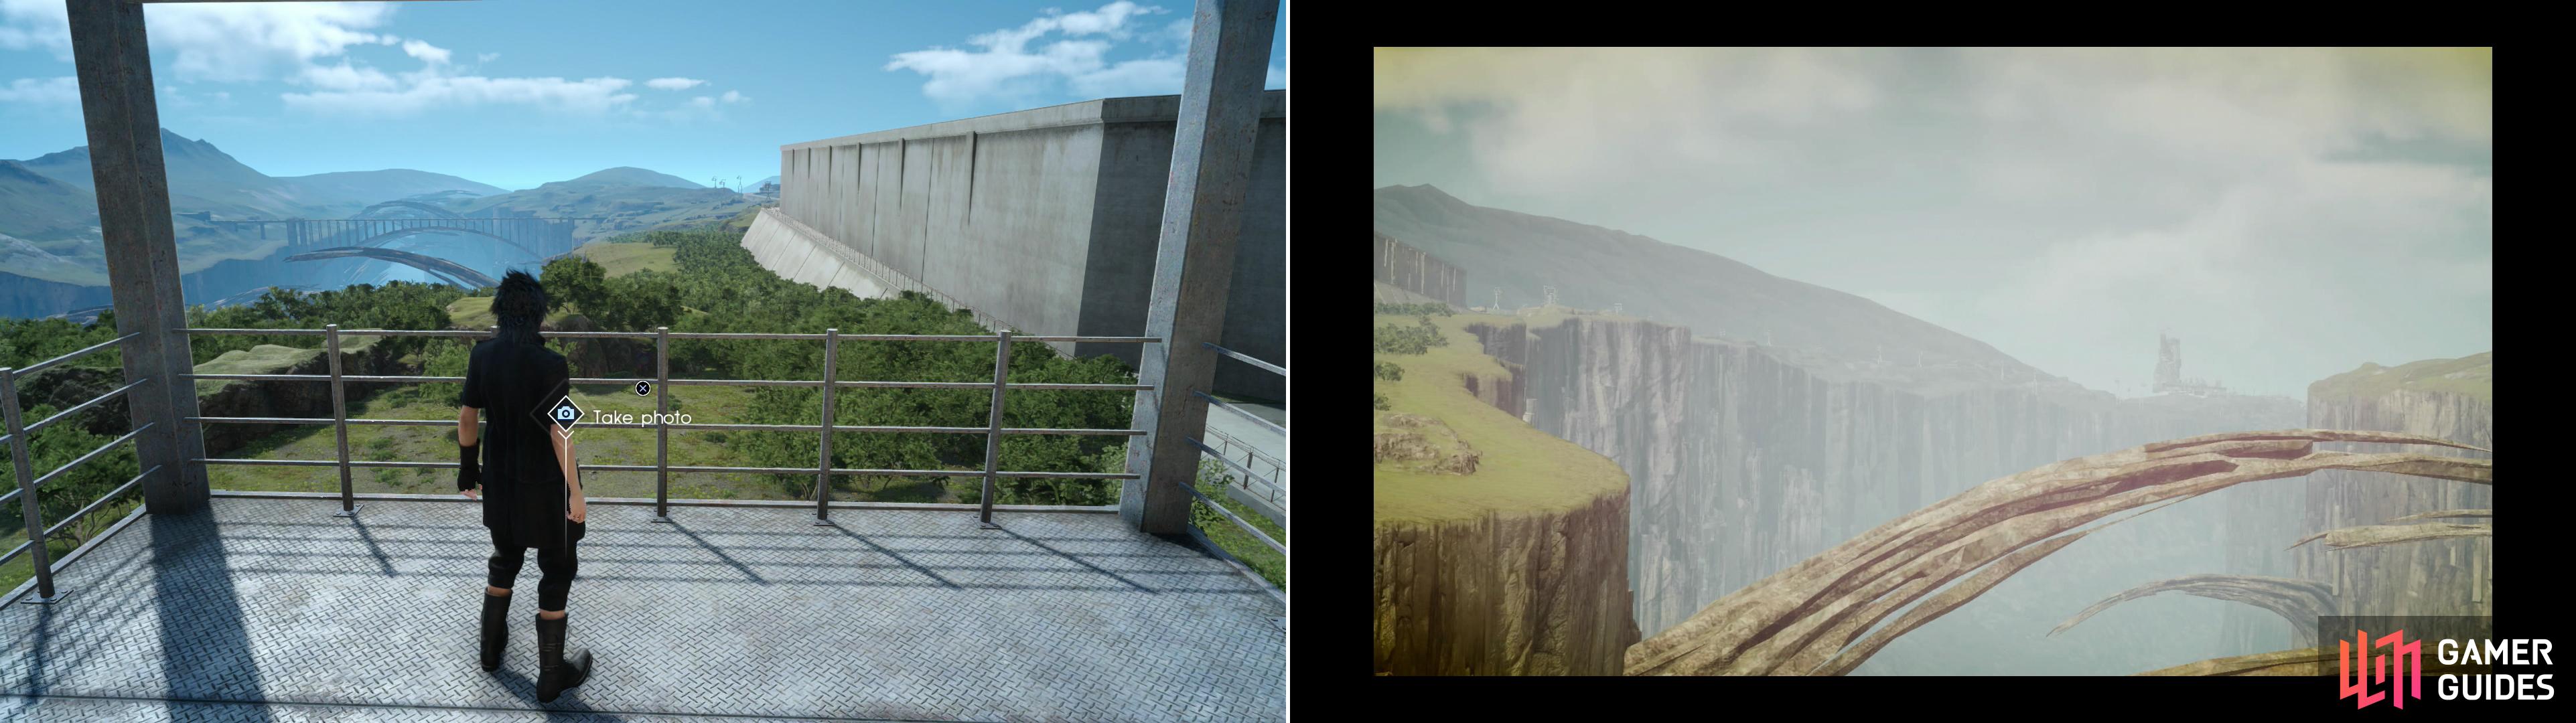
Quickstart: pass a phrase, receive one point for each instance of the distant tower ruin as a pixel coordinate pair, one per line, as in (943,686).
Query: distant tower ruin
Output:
(2168,361)
(2169,378)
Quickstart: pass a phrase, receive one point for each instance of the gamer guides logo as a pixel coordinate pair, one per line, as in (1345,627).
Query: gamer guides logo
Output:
(2401,669)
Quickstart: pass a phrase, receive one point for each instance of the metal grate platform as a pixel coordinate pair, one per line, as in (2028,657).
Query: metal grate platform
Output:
(272,609)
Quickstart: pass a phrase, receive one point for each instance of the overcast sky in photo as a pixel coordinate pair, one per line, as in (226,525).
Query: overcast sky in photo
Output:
(2289,214)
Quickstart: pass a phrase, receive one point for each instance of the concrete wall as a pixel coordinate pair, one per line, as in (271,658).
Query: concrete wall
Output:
(1046,220)
(800,254)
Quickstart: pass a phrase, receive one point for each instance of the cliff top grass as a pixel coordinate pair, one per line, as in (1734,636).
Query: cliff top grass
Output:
(2469,375)
(269,359)
(1523,471)
(619,259)
(475,312)
(472,312)
(1555,316)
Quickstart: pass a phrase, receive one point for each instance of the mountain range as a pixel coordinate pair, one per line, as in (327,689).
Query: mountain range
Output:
(1591,267)
(49,216)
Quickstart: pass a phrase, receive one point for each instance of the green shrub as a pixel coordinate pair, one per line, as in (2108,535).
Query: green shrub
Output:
(1416,339)
(1414,309)
(1390,372)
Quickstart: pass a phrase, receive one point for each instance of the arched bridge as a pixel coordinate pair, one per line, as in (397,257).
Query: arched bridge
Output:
(539,237)
(414,205)
(449,271)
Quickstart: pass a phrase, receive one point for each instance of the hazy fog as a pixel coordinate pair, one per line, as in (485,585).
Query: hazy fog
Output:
(2289,213)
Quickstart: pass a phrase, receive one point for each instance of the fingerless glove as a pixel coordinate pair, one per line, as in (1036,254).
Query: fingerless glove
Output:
(469,471)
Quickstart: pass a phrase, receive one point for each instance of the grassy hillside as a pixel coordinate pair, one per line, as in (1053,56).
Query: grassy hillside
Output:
(627,176)
(2472,375)
(628,207)
(1522,470)
(1593,267)
(595,446)
(619,259)
(47,203)
(372,187)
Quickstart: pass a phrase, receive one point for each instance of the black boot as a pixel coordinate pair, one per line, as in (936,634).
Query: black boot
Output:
(496,610)
(555,672)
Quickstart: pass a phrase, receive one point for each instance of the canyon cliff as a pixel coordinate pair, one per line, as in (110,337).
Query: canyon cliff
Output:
(2446,398)
(1538,594)
(1498,549)
(1744,459)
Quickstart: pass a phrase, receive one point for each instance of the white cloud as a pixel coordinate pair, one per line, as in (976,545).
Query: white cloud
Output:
(49,91)
(703,102)
(1178,32)
(36,25)
(1151,76)
(673,83)
(1004,65)
(1579,118)
(345,77)
(735,96)
(423,93)
(486,57)
(426,52)
(240,42)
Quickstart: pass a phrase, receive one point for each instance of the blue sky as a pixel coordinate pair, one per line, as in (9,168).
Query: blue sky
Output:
(515,93)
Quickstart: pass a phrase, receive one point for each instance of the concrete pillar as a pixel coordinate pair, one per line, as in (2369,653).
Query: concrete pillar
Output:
(115,71)
(1194,258)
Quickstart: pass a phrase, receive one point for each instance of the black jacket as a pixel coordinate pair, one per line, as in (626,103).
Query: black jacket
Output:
(524,496)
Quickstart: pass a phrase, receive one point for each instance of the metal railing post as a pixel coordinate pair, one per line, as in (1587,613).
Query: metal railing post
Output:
(27,490)
(823,478)
(993,430)
(340,420)
(662,430)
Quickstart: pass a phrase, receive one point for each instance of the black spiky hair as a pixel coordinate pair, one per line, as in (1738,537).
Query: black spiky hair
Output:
(520,304)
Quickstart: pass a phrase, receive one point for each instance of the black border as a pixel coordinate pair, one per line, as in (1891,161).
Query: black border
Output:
(1322,689)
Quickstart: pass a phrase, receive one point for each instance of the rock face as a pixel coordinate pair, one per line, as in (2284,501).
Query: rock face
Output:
(1401,265)
(63,387)
(2443,398)
(359,355)
(1742,463)
(1423,444)
(1543,594)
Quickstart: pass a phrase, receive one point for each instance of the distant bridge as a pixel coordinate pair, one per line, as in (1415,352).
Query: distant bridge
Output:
(539,237)
(414,205)
(445,270)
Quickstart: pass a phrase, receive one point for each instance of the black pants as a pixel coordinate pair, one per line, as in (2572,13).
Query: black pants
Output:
(558,564)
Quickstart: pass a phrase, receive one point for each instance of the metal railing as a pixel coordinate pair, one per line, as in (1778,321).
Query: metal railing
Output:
(1214,403)
(17,434)
(662,336)
(29,484)
(1268,488)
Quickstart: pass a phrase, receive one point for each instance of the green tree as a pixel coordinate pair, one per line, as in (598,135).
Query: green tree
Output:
(575,281)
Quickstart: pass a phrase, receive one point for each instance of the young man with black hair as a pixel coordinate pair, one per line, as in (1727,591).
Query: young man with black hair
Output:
(532,497)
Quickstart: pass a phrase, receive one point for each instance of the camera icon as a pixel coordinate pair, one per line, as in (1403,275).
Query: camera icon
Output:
(564,414)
